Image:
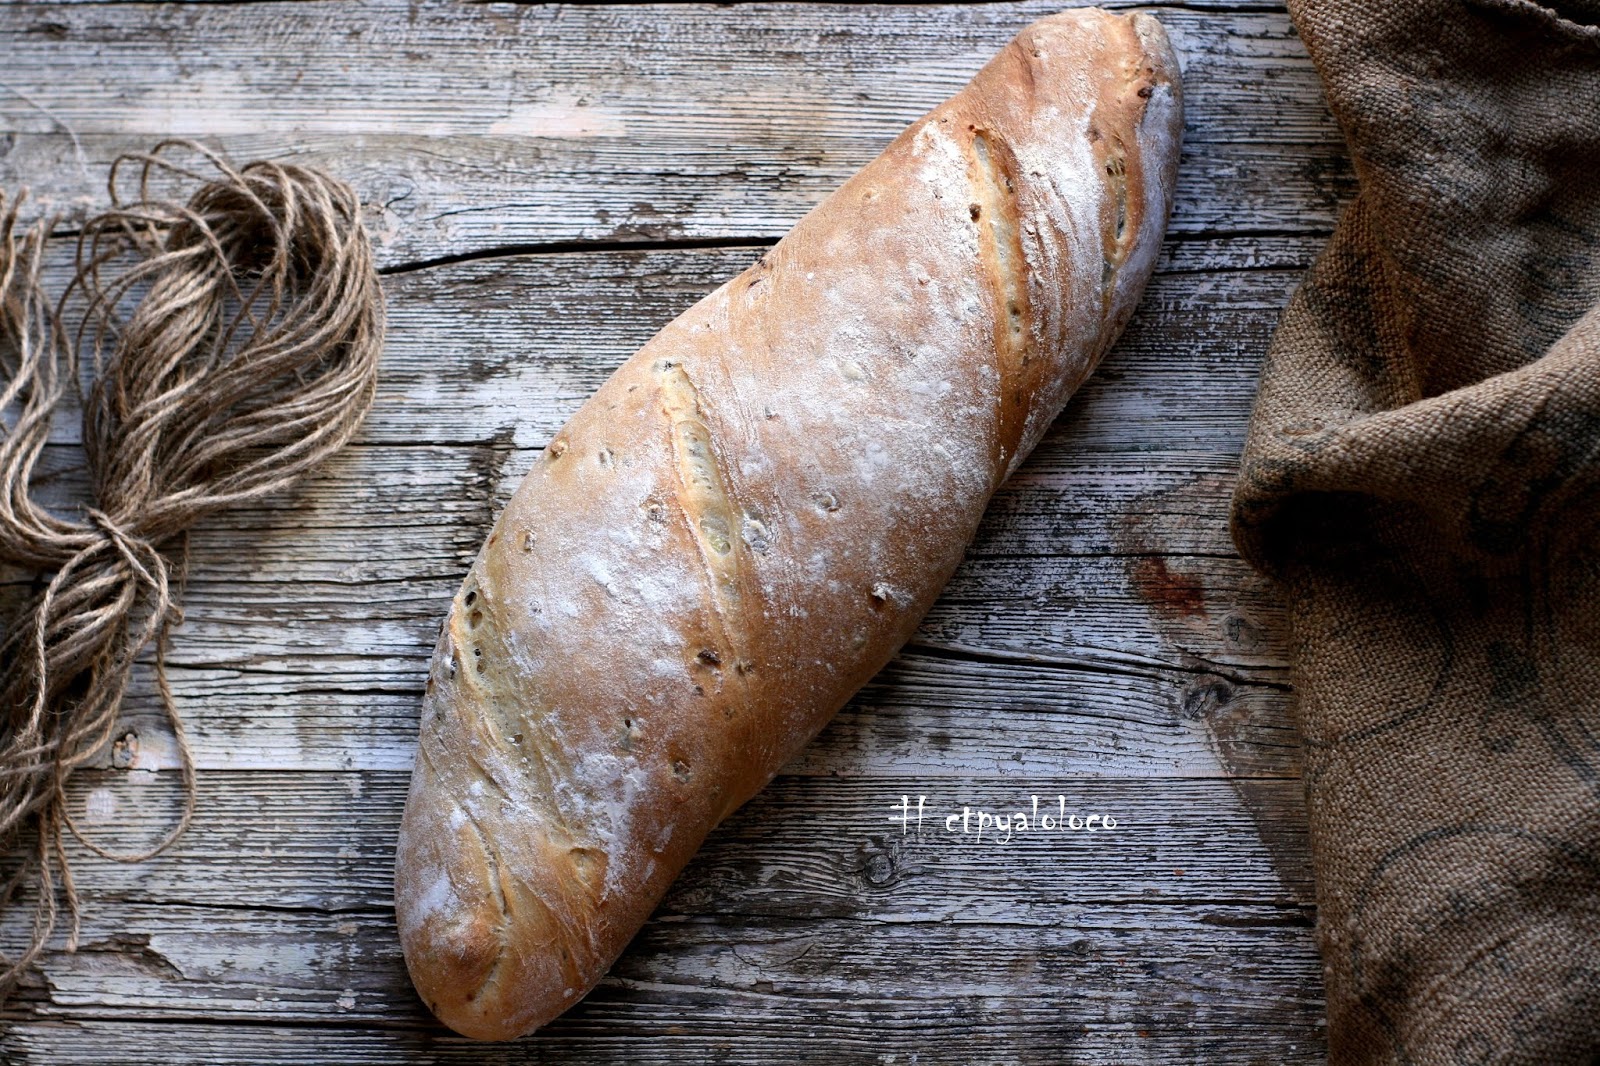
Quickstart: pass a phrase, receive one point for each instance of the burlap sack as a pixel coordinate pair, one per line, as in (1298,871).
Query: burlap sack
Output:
(1422,476)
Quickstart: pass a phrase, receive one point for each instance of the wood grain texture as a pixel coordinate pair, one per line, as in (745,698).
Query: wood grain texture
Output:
(547,186)
(1098,555)
(814,845)
(808,899)
(819,1032)
(494,125)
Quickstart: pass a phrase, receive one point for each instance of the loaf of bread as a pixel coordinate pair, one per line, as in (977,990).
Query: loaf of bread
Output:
(754,512)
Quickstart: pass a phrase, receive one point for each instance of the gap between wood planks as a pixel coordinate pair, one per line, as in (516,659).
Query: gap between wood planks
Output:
(1104,661)
(689,244)
(384,912)
(505,251)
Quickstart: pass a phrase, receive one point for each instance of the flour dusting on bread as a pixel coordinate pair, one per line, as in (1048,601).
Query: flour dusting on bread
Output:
(754,512)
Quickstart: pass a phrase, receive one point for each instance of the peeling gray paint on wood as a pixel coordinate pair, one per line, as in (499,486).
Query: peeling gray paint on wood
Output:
(547,187)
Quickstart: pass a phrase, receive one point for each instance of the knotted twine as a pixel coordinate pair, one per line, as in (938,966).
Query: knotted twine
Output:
(249,356)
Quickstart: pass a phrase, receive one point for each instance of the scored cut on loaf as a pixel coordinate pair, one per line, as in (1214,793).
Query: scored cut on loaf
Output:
(755,511)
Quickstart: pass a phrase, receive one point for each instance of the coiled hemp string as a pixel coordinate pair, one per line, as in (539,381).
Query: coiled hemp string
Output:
(249,356)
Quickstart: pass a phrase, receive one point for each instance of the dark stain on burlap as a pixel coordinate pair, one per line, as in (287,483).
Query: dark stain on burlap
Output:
(1422,480)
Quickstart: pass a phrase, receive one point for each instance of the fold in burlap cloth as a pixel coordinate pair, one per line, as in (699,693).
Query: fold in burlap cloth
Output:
(1422,476)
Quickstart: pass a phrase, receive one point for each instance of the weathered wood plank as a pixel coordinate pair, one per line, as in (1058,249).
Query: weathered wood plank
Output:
(310,616)
(1101,641)
(430,199)
(272,908)
(197,963)
(328,560)
(473,127)
(812,847)
(1055,1027)
(506,349)
(1027,605)
(817,846)
(309,624)
(329,676)
(931,714)
(503,350)
(381,513)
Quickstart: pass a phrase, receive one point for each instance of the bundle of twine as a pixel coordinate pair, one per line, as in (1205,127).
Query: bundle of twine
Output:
(249,355)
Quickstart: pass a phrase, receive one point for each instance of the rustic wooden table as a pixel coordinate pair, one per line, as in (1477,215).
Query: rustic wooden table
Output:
(547,186)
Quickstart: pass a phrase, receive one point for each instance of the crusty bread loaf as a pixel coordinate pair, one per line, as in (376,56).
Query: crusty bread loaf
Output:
(753,513)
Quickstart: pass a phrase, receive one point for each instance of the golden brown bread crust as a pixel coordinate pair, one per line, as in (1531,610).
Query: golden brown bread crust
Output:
(753,513)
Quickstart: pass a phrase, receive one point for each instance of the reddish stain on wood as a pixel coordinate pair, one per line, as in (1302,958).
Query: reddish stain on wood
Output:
(1172,594)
